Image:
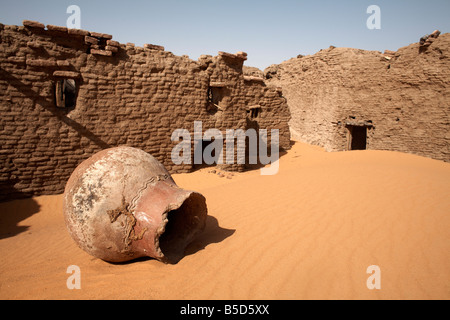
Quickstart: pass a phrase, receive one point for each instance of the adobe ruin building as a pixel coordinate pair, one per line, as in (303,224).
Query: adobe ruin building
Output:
(351,99)
(66,94)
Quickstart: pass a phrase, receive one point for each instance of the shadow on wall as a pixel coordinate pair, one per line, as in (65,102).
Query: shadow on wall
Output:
(12,213)
(261,146)
(253,151)
(8,190)
(51,107)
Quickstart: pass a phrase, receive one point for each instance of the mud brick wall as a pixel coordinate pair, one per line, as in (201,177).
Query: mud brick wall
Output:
(401,97)
(125,95)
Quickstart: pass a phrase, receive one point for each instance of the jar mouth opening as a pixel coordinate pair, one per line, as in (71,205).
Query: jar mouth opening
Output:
(182,225)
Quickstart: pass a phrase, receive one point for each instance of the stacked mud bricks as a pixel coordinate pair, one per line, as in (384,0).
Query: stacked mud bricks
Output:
(125,95)
(401,99)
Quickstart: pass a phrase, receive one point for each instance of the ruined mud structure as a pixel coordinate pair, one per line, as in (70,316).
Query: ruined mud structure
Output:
(351,99)
(66,94)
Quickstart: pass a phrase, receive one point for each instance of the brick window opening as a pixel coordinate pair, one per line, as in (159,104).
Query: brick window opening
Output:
(254,112)
(66,93)
(215,96)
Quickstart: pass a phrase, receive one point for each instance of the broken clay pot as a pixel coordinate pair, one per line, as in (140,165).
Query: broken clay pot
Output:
(122,204)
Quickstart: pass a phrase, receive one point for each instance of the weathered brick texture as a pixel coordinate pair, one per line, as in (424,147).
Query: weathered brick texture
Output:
(402,97)
(126,95)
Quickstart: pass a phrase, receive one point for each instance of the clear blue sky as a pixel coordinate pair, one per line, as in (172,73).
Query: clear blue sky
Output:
(269,31)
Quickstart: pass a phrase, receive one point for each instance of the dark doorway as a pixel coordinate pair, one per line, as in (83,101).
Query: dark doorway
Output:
(358,137)
(209,156)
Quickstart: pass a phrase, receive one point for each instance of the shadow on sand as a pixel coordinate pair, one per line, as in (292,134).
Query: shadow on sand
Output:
(212,233)
(12,212)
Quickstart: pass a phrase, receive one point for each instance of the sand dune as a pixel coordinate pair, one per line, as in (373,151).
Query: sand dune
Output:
(309,232)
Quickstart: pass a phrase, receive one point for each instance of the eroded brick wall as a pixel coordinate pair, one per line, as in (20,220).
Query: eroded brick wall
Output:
(126,95)
(402,97)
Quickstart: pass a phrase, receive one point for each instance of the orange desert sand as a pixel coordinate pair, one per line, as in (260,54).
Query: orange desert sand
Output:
(309,232)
